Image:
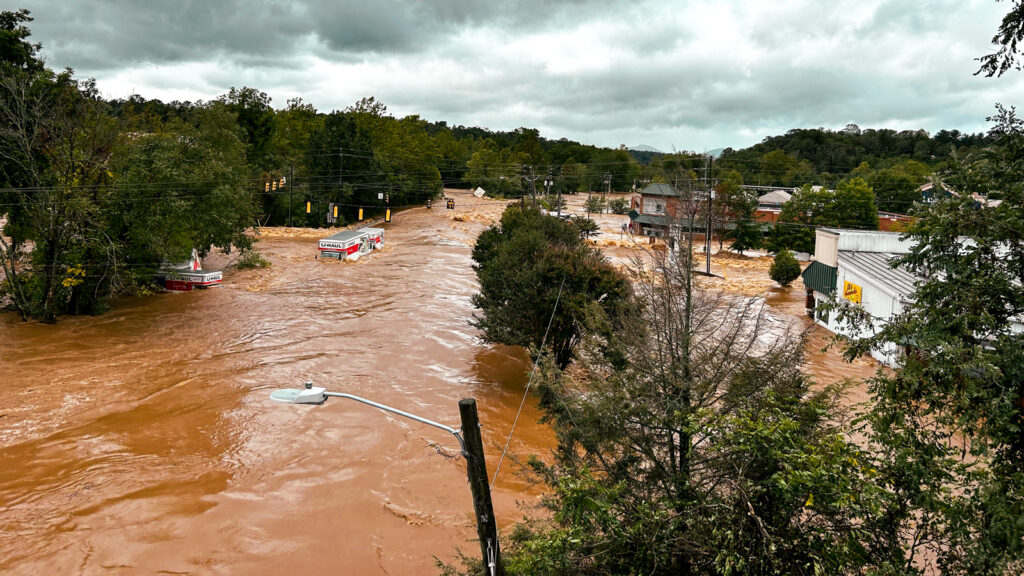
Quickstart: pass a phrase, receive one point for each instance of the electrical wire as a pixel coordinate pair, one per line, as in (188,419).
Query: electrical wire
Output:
(529,382)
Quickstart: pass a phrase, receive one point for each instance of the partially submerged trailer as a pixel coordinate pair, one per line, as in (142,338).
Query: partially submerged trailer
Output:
(188,276)
(351,244)
(376,236)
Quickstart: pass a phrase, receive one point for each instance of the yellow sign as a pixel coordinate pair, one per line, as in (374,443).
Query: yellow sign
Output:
(852,292)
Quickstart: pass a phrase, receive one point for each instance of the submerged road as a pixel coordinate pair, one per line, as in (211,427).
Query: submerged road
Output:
(144,441)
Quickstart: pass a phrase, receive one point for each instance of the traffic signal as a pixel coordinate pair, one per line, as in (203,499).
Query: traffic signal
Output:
(307,207)
(450,203)
(428,202)
(387,215)
(360,213)
(335,210)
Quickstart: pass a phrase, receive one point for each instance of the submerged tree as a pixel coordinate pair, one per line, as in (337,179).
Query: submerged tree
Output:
(90,206)
(530,263)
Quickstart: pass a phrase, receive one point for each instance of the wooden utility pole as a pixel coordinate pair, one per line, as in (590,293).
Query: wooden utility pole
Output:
(476,470)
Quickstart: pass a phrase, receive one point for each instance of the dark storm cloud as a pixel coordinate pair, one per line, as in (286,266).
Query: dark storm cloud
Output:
(688,73)
(106,34)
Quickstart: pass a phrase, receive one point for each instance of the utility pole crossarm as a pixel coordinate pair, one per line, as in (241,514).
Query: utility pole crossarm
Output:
(386,408)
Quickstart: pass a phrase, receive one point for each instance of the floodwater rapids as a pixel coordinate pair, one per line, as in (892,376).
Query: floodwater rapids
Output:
(144,441)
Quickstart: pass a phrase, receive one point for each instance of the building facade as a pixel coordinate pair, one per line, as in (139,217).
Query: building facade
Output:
(856,266)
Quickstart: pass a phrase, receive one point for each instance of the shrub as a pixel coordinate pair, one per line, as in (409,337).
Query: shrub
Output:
(252,259)
(785,268)
(618,205)
(595,204)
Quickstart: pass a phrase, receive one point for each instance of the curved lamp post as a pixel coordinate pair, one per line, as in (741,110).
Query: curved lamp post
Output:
(472,450)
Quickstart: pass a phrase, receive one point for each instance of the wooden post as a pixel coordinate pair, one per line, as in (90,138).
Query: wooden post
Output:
(476,470)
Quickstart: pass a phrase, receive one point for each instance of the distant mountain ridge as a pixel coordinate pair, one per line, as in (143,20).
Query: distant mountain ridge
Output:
(645,148)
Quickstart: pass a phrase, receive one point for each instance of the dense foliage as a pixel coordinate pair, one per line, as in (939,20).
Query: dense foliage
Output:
(784,268)
(93,203)
(698,447)
(529,263)
(950,421)
(850,205)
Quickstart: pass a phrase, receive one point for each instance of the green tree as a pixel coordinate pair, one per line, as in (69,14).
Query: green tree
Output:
(16,52)
(776,168)
(587,227)
(527,264)
(948,420)
(1010,32)
(254,115)
(850,205)
(618,205)
(737,205)
(56,140)
(342,164)
(686,453)
(784,268)
(496,170)
(895,190)
(196,170)
(746,236)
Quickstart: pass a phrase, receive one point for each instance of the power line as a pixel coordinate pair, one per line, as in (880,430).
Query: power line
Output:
(529,382)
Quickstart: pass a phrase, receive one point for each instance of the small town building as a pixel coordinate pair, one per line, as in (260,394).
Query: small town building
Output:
(660,207)
(769,205)
(856,265)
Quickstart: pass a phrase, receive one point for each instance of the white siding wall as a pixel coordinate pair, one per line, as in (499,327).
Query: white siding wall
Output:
(879,304)
(826,245)
(653,205)
(873,241)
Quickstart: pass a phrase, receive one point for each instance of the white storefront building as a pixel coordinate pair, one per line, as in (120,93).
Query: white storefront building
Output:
(856,266)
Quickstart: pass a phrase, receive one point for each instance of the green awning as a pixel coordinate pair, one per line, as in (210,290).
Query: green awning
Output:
(651,220)
(820,277)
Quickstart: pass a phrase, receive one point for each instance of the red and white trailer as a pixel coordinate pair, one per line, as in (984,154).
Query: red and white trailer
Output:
(350,244)
(189,276)
(375,235)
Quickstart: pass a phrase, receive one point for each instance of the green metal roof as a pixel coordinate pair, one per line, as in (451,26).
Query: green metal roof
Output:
(659,190)
(650,220)
(820,277)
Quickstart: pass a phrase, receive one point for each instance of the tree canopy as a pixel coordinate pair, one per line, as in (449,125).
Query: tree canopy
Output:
(529,263)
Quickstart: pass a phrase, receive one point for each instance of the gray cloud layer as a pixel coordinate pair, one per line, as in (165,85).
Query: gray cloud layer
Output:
(689,74)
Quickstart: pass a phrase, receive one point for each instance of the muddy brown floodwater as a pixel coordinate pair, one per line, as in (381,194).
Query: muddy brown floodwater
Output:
(144,441)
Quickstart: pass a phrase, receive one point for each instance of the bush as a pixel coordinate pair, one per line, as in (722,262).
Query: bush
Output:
(586,226)
(618,205)
(595,204)
(252,259)
(785,268)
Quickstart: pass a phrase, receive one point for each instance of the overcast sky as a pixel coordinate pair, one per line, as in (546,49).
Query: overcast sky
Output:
(689,75)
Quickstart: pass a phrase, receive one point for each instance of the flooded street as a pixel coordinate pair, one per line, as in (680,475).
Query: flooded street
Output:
(144,441)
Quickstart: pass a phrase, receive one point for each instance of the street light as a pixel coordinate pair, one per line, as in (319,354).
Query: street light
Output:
(472,450)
